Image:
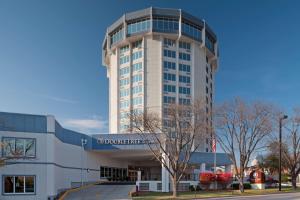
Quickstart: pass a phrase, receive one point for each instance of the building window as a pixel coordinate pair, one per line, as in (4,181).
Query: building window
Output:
(138,26)
(137,101)
(137,78)
(117,36)
(19,184)
(124,92)
(124,71)
(183,101)
(169,88)
(169,53)
(124,59)
(191,30)
(168,99)
(184,56)
(169,42)
(137,67)
(124,104)
(124,49)
(185,45)
(169,65)
(167,25)
(169,77)
(184,90)
(124,81)
(19,147)
(184,68)
(137,89)
(137,55)
(184,79)
(137,44)
(209,43)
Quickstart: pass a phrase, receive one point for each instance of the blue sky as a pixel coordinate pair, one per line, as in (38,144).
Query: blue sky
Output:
(50,54)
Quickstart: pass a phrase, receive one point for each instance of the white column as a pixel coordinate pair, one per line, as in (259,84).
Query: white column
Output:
(165,177)
(139,175)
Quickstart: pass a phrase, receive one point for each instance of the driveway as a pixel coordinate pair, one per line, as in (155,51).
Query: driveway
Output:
(102,192)
(287,196)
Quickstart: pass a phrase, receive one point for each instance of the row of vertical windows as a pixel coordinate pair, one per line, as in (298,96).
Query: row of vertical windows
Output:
(137,55)
(124,59)
(137,66)
(124,81)
(184,56)
(184,101)
(117,36)
(184,68)
(124,92)
(124,104)
(169,77)
(165,25)
(19,147)
(124,71)
(184,90)
(139,26)
(124,49)
(169,53)
(191,31)
(137,78)
(137,89)
(137,44)
(137,101)
(185,45)
(169,65)
(168,99)
(184,79)
(169,42)
(169,88)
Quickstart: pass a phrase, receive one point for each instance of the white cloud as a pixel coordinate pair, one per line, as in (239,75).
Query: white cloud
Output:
(91,125)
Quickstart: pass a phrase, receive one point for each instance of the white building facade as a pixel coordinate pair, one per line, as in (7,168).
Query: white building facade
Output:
(155,57)
(46,159)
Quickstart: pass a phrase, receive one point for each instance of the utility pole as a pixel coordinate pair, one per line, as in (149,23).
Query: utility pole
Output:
(280,147)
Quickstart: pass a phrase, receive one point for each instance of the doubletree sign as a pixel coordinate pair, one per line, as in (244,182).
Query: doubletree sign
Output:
(122,141)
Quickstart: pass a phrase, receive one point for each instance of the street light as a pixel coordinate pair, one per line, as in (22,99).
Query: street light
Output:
(83,142)
(280,146)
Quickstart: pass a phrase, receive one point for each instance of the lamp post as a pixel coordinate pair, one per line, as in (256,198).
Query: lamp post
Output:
(83,142)
(280,147)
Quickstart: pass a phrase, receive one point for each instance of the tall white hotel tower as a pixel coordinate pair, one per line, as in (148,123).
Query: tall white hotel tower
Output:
(157,56)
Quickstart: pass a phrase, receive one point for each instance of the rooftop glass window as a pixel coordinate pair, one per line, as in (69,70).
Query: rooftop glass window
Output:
(117,36)
(209,43)
(167,25)
(191,31)
(138,26)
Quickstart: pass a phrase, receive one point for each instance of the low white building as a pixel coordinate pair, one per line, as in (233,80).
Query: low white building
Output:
(52,159)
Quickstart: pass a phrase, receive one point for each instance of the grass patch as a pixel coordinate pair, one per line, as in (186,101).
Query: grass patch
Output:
(207,194)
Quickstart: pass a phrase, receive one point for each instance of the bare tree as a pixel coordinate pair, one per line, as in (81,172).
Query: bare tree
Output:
(240,129)
(174,137)
(291,154)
